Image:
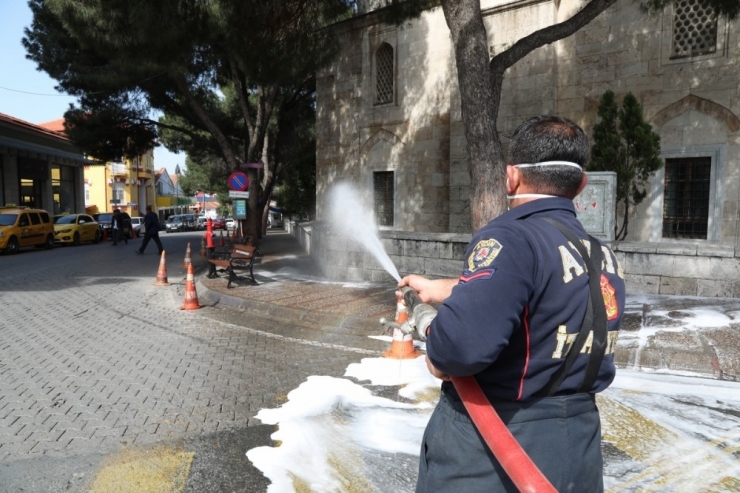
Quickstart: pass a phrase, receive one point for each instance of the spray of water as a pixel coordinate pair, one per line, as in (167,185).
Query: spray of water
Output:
(353,219)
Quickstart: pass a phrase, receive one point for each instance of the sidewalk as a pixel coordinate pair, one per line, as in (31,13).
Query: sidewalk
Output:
(668,333)
(291,287)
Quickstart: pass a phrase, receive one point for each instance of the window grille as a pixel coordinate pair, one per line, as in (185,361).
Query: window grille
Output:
(694,29)
(383,195)
(384,74)
(686,203)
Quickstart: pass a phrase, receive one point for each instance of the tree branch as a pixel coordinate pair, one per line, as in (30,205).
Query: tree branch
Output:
(550,34)
(223,142)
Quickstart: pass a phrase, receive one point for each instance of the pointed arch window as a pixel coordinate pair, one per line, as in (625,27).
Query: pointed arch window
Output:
(384,74)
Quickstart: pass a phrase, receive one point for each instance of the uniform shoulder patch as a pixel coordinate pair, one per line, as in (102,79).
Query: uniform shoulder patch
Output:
(483,254)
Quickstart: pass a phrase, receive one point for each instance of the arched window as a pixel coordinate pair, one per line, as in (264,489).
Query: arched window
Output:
(384,76)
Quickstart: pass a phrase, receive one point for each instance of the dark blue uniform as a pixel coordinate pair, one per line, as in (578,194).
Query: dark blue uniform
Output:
(510,321)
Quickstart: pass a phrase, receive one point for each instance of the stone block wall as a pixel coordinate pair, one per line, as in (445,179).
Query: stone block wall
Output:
(681,269)
(650,268)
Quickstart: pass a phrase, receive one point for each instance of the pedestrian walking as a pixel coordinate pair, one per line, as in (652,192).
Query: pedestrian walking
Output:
(532,282)
(118,228)
(151,231)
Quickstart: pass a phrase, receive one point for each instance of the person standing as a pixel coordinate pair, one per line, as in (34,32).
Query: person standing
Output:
(117,228)
(513,317)
(151,231)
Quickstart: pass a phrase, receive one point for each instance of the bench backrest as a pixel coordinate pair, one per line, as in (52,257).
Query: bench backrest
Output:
(242,251)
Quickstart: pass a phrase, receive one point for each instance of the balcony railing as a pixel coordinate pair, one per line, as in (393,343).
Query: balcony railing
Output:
(118,169)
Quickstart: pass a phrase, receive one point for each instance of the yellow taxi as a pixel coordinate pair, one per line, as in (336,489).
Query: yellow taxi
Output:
(75,229)
(22,226)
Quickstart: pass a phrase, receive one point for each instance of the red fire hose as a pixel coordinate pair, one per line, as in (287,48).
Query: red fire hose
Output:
(521,470)
(524,473)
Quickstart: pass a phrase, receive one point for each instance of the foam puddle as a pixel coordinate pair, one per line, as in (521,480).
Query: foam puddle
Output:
(337,435)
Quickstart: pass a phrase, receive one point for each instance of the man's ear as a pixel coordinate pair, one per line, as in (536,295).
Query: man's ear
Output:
(513,176)
(584,181)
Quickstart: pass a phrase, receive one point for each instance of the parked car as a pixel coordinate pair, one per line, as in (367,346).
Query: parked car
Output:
(191,223)
(201,222)
(218,223)
(175,223)
(76,228)
(104,220)
(21,227)
(137,224)
(230,223)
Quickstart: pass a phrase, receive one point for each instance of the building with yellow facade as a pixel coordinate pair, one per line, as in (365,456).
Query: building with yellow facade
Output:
(128,185)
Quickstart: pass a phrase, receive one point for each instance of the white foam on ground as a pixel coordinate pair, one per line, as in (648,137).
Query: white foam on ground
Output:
(328,425)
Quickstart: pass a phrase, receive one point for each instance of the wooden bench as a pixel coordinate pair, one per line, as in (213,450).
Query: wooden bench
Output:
(237,257)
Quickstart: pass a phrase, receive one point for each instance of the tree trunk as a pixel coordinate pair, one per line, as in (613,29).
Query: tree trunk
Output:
(479,112)
(480,81)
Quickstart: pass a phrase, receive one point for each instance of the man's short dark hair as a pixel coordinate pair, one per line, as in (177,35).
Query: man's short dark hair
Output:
(149,208)
(550,138)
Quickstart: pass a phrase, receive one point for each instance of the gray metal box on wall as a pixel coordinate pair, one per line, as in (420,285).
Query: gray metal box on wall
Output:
(596,203)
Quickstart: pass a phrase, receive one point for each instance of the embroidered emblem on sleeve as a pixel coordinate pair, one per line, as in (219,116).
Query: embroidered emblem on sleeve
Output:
(610,298)
(484,253)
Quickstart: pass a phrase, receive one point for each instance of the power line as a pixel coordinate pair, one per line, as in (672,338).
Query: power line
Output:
(36,93)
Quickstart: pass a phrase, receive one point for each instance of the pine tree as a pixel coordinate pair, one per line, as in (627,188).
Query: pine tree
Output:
(221,72)
(626,144)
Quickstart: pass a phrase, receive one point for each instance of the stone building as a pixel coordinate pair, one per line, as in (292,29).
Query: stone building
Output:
(389,121)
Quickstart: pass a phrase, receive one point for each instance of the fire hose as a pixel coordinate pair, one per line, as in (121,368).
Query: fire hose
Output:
(520,468)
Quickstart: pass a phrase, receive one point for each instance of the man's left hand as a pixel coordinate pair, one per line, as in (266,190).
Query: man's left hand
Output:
(435,372)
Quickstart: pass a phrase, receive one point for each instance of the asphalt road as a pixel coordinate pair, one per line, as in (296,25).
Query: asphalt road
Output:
(104,380)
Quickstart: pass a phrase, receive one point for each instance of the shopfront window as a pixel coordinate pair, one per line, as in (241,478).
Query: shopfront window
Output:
(30,193)
(63,189)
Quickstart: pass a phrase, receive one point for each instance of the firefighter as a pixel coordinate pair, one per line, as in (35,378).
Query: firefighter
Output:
(513,316)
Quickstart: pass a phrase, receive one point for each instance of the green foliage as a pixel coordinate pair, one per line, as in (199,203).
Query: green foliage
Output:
(216,73)
(200,176)
(626,144)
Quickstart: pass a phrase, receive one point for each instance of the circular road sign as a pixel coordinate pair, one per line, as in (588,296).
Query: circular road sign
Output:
(238,181)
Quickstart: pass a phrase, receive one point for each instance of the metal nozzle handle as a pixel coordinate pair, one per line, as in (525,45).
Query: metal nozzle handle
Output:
(410,297)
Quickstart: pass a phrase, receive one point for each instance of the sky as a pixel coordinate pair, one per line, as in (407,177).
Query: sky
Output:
(29,94)
(674,432)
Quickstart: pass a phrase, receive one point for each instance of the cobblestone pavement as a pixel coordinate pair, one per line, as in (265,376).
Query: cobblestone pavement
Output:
(94,358)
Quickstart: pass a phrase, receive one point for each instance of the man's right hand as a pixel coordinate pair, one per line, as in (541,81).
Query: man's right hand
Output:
(429,290)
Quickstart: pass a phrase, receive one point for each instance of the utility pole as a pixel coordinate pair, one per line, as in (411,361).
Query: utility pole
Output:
(177,189)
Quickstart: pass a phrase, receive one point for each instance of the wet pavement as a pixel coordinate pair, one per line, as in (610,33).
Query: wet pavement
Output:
(670,333)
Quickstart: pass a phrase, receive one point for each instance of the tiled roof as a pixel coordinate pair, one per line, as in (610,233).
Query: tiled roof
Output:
(17,122)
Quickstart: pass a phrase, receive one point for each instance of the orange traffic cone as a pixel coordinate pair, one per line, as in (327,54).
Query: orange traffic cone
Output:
(203,247)
(191,297)
(188,260)
(221,240)
(105,236)
(402,346)
(162,272)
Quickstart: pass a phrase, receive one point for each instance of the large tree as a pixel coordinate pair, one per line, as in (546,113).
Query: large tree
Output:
(480,79)
(221,72)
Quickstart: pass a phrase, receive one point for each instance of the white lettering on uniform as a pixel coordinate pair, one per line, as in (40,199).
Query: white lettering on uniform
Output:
(608,264)
(564,342)
(569,263)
